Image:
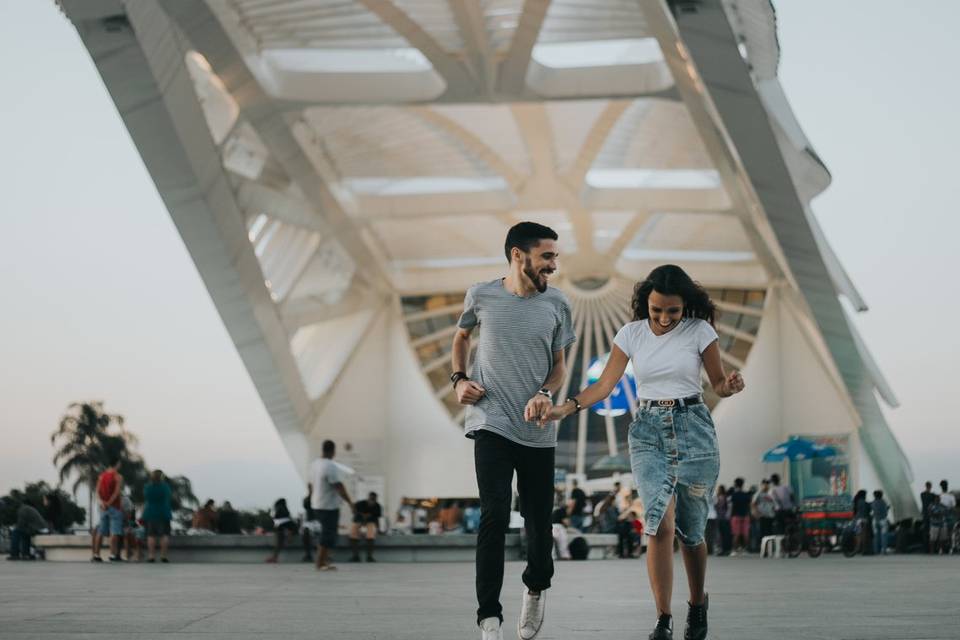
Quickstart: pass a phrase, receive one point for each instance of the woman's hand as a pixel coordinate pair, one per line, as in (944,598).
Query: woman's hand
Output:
(733,383)
(557,412)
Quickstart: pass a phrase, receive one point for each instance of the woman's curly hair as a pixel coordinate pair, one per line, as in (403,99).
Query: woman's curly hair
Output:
(671,280)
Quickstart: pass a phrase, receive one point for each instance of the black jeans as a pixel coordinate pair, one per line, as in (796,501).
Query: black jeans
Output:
(20,543)
(496,460)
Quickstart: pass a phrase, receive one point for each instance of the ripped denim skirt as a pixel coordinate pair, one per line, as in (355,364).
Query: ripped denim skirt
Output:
(674,452)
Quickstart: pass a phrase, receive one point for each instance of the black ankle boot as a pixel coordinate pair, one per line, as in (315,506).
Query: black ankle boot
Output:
(664,628)
(697,620)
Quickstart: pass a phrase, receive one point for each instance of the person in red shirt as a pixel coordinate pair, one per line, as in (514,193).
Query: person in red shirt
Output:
(109,488)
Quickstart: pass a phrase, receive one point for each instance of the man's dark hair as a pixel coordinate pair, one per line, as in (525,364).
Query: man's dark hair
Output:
(944,485)
(738,483)
(525,235)
(328,447)
(373,494)
(775,478)
(878,495)
(113,460)
(928,484)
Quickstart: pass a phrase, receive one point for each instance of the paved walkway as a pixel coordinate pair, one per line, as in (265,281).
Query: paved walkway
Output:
(905,597)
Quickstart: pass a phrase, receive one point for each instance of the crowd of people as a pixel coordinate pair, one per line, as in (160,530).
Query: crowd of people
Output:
(738,520)
(740,517)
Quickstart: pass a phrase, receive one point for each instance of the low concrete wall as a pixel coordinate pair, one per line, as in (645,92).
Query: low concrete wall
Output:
(248,549)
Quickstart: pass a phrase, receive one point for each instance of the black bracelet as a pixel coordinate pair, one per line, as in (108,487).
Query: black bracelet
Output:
(576,403)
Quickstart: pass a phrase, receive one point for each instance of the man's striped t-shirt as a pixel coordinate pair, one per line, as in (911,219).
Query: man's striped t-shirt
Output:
(518,337)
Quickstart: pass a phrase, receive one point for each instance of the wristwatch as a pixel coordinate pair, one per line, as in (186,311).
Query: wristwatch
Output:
(546,392)
(457,376)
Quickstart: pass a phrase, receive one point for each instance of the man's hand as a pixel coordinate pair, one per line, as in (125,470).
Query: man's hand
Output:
(537,408)
(468,391)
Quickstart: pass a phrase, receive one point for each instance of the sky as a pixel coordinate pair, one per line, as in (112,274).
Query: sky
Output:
(102,300)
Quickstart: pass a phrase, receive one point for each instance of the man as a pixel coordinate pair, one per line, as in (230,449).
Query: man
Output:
(29,523)
(880,511)
(366,517)
(927,497)
(938,525)
(578,501)
(524,328)
(109,489)
(949,502)
(786,505)
(328,491)
(764,509)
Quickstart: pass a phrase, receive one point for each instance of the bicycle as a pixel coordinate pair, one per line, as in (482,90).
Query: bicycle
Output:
(798,539)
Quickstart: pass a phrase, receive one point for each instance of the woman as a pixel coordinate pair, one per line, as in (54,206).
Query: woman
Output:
(283,524)
(673,444)
(157,514)
(862,516)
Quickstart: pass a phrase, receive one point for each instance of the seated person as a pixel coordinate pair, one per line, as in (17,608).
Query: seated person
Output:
(451,517)
(366,516)
(29,523)
(228,519)
(205,519)
(471,517)
(559,523)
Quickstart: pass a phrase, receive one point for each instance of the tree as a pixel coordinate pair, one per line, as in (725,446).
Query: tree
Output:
(250,520)
(182,500)
(69,514)
(85,441)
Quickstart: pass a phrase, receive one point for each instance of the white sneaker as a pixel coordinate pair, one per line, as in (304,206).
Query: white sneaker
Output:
(490,629)
(531,614)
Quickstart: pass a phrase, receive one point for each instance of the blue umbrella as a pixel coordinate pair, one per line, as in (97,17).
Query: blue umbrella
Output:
(797,448)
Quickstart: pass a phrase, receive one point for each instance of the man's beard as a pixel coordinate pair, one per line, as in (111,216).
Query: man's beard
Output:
(535,278)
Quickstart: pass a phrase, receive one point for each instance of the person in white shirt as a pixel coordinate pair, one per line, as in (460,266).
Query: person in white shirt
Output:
(673,443)
(328,490)
(947,499)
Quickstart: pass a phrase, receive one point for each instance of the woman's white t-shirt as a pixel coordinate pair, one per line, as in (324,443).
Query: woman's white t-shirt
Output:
(666,366)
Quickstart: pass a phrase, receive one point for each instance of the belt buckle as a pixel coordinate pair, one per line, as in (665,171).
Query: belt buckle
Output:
(666,403)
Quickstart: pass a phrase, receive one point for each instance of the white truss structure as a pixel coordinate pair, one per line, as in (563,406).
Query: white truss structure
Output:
(342,170)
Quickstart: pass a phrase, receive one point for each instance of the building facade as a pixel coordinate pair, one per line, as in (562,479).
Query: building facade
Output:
(341,171)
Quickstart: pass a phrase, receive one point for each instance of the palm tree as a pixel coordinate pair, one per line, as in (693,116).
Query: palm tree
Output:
(85,443)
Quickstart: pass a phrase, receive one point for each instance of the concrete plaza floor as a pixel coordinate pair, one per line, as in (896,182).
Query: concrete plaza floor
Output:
(896,597)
